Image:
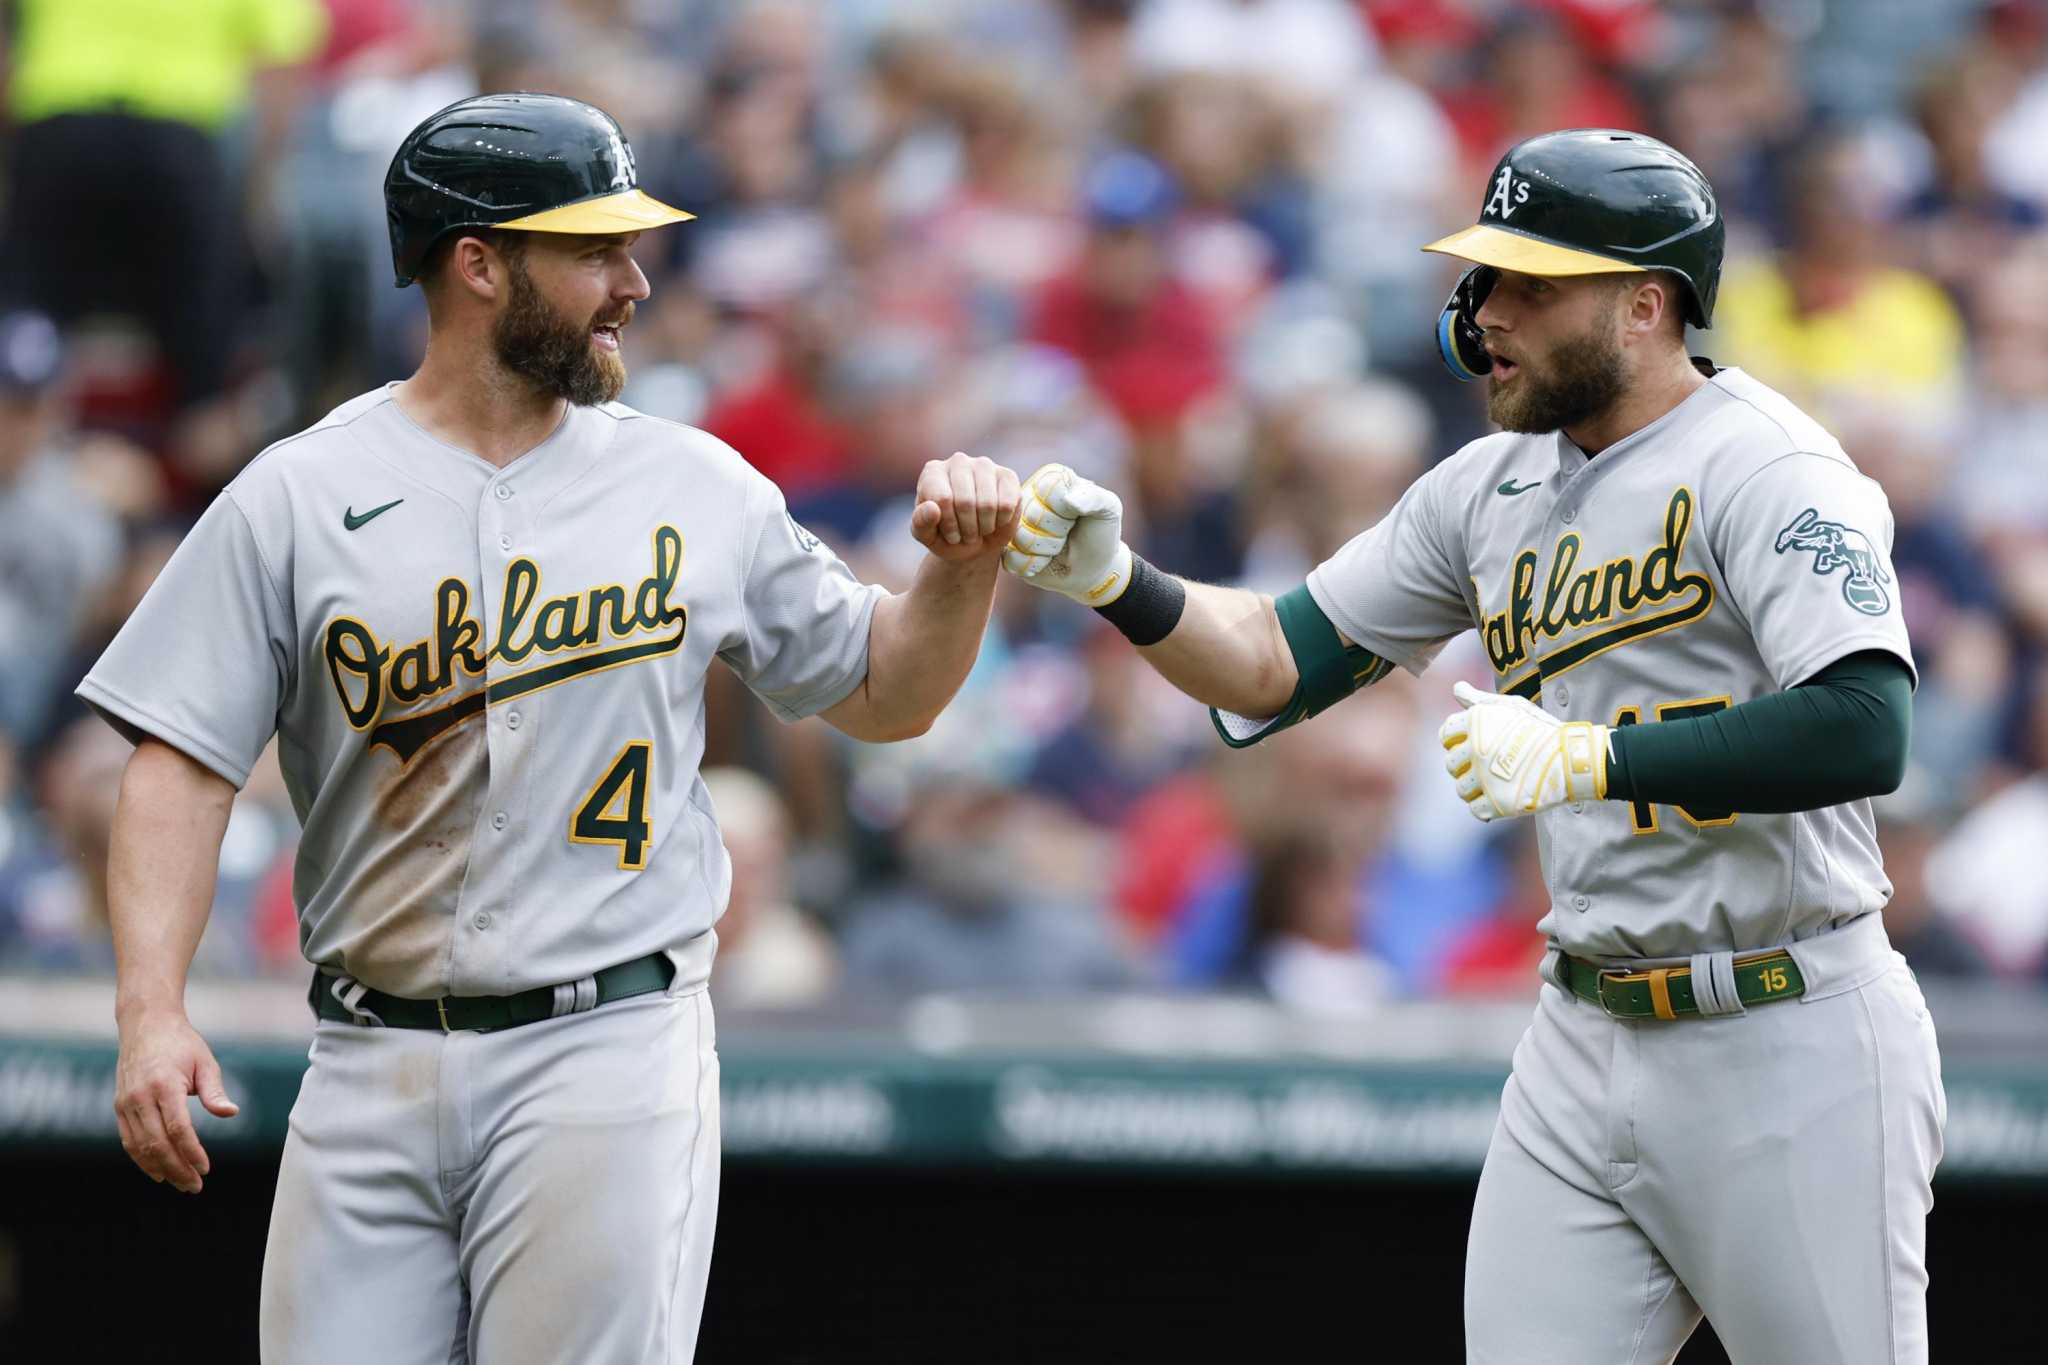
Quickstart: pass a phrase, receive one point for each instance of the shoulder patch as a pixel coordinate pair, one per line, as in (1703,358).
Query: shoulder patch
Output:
(804,538)
(1835,546)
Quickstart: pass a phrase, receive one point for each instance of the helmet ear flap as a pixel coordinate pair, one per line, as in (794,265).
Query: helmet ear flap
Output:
(1459,337)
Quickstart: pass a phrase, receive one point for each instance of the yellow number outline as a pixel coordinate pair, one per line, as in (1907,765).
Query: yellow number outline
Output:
(635,782)
(1642,815)
(1673,710)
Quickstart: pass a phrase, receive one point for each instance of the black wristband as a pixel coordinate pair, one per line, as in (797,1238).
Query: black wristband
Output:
(1150,607)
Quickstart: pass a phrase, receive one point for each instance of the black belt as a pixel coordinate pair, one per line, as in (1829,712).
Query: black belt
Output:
(488,1013)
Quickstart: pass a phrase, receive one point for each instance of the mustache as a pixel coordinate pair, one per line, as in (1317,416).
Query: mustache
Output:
(622,320)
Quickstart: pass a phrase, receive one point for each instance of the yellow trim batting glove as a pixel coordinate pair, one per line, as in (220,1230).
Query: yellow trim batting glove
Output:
(1070,538)
(1512,758)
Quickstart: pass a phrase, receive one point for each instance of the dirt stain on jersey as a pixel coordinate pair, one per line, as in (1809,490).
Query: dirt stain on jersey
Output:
(425,811)
(407,792)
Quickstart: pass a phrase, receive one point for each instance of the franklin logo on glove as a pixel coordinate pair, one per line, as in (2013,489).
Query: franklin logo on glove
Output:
(1510,757)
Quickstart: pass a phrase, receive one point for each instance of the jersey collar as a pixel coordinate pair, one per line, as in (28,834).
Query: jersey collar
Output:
(563,456)
(1571,459)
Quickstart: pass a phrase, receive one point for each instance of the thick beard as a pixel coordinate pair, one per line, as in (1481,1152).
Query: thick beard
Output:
(1586,379)
(552,353)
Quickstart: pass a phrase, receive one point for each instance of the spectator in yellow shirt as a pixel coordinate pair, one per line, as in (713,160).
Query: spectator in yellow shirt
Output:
(1832,320)
(119,198)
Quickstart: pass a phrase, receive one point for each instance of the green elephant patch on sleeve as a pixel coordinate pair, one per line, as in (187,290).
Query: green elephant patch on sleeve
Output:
(1835,546)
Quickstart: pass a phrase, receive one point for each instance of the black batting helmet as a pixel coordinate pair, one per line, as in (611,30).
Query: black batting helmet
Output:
(1585,201)
(532,163)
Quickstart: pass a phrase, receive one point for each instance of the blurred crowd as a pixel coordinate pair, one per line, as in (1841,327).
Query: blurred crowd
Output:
(1171,243)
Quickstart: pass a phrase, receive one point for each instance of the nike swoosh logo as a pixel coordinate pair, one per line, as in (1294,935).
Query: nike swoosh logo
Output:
(1508,489)
(351,522)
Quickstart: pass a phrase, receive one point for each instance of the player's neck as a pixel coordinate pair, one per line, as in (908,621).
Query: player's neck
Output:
(1653,394)
(475,405)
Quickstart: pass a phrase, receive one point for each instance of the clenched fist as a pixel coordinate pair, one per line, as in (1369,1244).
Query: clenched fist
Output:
(966,507)
(1070,538)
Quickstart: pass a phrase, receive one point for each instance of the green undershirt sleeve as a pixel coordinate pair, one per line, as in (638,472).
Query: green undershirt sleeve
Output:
(1329,671)
(1839,736)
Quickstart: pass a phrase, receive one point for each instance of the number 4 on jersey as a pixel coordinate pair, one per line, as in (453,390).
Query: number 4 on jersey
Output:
(624,787)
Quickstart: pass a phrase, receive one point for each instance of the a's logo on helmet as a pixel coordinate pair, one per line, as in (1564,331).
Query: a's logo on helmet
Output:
(623,174)
(1508,194)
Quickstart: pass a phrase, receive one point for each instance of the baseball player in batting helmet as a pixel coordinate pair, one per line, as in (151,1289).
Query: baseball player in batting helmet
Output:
(477,609)
(1729,1102)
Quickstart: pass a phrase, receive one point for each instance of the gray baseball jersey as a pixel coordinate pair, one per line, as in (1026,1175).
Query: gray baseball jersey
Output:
(1727,550)
(487,684)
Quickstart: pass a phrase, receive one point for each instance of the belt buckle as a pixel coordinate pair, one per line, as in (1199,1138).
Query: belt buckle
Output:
(1600,989)
(441,1009)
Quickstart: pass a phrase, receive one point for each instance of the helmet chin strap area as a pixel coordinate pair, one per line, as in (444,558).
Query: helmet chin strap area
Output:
(1459,338)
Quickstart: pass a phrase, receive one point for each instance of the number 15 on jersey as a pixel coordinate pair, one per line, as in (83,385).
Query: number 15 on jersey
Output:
(1643,815)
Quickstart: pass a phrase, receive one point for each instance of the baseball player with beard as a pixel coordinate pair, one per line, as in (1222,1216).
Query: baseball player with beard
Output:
(1729,1102)
(477,609)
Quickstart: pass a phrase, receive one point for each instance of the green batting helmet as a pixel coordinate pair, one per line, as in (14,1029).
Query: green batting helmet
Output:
(1585,201)
(531,163)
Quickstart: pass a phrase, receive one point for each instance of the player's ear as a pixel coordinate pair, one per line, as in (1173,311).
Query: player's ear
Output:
(475,268)
(1647,302)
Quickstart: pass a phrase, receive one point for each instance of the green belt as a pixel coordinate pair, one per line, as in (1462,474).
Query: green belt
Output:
(487,1013)
(1666,992)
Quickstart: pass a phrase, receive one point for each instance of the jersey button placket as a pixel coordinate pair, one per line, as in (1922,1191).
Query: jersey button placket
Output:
(501,530)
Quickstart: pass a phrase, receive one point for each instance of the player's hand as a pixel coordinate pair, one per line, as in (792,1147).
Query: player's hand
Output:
(163,1059)
(966,508)
(1070,538)
(1513,758)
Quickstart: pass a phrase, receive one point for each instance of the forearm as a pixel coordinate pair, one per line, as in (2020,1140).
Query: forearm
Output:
(167,832)
(1842,736)
(1222,646)
(921,646)
(1227,651)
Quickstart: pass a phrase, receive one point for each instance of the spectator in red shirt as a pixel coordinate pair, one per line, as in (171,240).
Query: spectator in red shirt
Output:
(1538,76)
(779,419)
(1500,954)
(1146,339)
(1153,349)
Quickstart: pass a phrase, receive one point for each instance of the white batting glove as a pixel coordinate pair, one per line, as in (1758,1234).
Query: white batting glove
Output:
(1511,757)
(1070,538)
